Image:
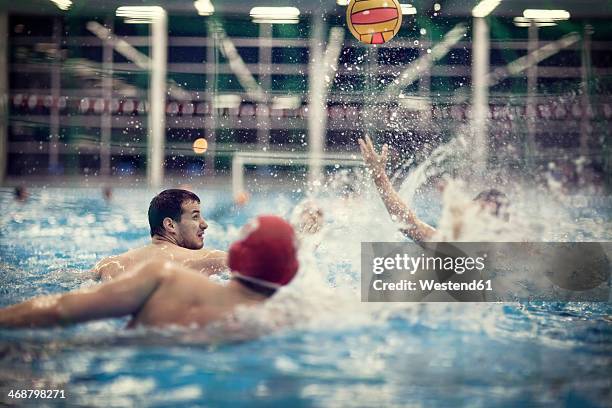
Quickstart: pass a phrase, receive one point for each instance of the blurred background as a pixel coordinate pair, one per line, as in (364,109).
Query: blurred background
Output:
(99,92)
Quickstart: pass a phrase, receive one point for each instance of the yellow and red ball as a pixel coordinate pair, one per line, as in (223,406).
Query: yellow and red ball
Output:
(374,21)
(200,146)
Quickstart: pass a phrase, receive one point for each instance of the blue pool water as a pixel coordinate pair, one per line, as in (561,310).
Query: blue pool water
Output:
(336,351)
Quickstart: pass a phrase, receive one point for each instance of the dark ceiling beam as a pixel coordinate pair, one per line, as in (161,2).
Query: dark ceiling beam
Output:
(454,8)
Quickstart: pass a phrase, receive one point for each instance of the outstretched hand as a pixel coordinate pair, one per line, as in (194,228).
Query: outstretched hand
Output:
(377,163)
(412,226)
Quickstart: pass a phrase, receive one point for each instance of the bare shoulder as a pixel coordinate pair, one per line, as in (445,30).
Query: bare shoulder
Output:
(131,255)
(203,252)
(168,269)
(206,261)
(112,266)
(183,281)
(109,267)
(212,253)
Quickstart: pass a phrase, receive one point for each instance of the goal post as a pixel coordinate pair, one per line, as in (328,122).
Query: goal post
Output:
(242,159)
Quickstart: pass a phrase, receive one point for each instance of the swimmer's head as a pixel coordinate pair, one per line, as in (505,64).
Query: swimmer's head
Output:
(493,201)
(347,183)
(21,193)
(175,214)
(266,255)
(242,198)
(107,193)
(307,218)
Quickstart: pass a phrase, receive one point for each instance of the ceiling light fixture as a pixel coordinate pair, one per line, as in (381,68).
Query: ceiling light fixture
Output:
(485,7)
(62,4)
(204,7)
(535,14)
(408,9)
(140,14)
(275,15)
(525,22)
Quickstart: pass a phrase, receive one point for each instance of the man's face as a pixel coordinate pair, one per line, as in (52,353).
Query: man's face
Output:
(190,230)
(488,206)
(494,209)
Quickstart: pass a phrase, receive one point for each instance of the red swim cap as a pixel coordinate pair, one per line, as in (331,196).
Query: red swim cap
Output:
(267,254)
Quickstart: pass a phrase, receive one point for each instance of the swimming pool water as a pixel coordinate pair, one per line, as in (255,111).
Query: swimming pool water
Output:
(338,353)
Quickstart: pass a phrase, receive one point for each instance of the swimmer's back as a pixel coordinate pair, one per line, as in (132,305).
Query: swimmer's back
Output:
(186,298)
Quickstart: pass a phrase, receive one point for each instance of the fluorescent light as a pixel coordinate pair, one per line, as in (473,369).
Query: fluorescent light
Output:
(525,22)
(534,14)
(286,102)
(229,101)
(527,25)
(140,14)
(275,15)
(62,4)
(204,7)
(414,102)
(274,21)
(408,9)
(485,7)
(129,20)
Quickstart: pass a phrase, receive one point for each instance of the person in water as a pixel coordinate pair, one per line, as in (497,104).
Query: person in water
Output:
(177,234)
(21,194)
(162,293)
(107,193)
(492,201)
(307,218)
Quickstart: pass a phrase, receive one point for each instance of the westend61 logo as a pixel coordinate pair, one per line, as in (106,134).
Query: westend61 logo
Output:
(412,264)
(426,265)
(483,272)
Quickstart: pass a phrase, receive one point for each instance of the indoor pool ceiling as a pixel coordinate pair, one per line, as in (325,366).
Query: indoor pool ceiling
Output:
(577,8)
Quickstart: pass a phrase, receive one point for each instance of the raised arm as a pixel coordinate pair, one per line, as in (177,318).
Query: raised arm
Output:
(120,297)
(399,211)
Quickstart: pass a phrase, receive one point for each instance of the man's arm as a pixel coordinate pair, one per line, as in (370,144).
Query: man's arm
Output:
(209,262)
(120,297)
(399,211)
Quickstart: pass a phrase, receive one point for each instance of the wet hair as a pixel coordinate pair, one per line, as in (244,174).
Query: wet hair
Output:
(168,203)
(493,196)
